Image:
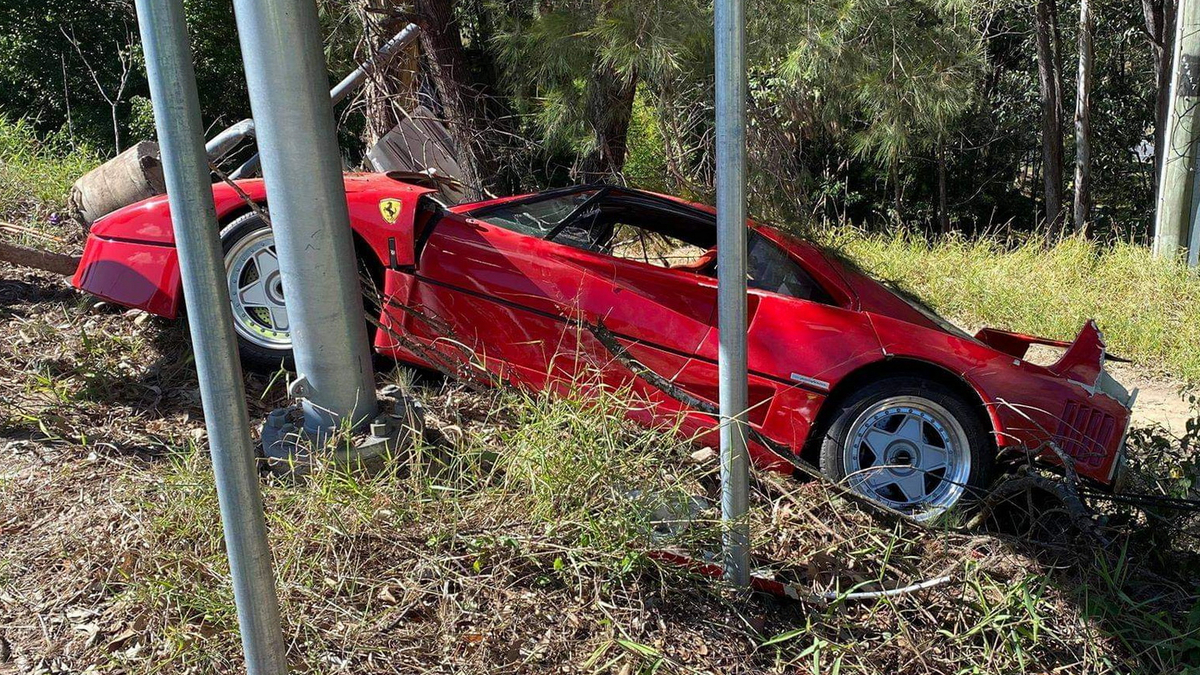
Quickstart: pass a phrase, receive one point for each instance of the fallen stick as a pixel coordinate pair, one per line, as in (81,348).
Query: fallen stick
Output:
(21,229)
(42,260)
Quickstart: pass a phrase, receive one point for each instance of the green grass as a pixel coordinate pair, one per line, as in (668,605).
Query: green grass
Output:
(36,174)
(1148,309)
(519,549)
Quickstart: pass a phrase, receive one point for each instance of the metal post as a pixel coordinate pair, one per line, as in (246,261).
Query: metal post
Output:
(352,81)
(340,90)
(1174,217)
(731,283)
(189,191)
(285,73)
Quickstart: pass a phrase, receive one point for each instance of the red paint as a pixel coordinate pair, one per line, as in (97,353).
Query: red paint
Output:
(515,301)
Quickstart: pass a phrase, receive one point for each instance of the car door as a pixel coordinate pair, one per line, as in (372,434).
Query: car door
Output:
(492,287)
(802,336)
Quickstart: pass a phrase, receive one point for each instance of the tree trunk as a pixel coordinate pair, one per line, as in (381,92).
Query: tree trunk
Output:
(462,104)
(1050,78)
(1160,26)
(1083,122)
(42,260)
(390,90)
(943,206)
(610,109)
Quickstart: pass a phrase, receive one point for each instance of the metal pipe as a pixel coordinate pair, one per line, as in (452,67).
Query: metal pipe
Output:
(354,79)
(284,62)
(248,168)
(342,89)
(189,191)
(730,24)
(227,140)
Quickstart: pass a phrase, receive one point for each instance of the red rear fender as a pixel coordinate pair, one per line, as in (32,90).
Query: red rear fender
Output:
(130,257)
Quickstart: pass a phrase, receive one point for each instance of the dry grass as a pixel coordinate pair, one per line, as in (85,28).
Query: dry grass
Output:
(511,542)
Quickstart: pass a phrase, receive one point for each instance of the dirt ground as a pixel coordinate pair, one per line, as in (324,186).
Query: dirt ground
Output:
(104,569)
(1160,400)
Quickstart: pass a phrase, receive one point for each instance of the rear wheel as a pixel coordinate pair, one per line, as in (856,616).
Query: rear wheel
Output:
(911,444)
(256,294)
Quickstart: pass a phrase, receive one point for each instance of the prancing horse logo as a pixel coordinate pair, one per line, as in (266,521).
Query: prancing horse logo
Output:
(390,209)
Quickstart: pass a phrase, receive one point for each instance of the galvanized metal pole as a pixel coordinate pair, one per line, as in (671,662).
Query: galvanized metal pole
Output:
(189,191)
(284,61)
(340,90)
(731,283)
(1175,212)
(352,81)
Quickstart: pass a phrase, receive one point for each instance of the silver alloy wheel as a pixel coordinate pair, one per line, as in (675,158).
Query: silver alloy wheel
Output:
(256,291)
(908,453)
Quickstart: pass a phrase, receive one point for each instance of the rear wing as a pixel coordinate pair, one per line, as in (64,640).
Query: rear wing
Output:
(1081,363)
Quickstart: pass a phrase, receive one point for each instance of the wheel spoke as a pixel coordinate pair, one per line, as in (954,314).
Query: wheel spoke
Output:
(267,262)
(877,439)
(911,429)
(879,478)
(279,317)
(934,458)
(254,294)
(912,486)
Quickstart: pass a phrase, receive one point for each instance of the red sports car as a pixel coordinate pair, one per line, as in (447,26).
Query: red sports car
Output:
(844,370)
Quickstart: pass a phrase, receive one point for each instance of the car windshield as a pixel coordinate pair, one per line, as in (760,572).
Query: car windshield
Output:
(535,218)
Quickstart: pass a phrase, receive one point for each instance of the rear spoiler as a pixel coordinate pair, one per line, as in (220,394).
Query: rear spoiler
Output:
(1081,363)
(1018,344)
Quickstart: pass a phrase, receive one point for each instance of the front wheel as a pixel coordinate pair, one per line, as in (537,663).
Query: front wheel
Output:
(911,444)
(260,316)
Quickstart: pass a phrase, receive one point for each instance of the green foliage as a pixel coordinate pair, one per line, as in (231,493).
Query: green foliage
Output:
(36,173)
(1149,309)
(852,102)
(893,75)
(646,163)
(567,63)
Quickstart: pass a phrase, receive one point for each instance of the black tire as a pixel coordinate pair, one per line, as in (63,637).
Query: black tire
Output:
(868,413)
(260,357)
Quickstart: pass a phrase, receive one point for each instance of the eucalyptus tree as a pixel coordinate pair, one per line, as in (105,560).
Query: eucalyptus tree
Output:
(1049,56)
(1083,120)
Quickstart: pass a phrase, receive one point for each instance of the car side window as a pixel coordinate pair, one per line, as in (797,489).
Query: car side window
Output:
(633,242)
(769,268)
(536,217)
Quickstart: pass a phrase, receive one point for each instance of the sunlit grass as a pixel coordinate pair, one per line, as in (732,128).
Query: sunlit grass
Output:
(1148,309)
(36,174)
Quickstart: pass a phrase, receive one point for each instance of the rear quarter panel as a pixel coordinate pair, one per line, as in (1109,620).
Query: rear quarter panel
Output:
(1028,405)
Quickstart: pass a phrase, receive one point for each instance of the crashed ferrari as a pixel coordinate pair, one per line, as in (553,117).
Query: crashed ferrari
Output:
(846,372)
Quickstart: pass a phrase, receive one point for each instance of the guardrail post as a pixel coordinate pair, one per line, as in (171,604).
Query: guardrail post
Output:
(189,191)
(730,24)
